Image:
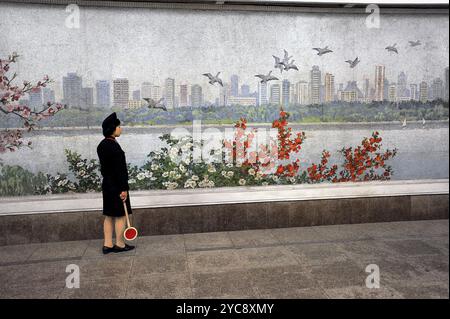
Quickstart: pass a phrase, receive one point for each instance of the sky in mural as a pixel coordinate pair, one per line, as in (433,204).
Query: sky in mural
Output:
(153,44)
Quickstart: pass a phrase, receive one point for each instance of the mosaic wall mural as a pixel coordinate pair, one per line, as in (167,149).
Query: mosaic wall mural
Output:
(339,99)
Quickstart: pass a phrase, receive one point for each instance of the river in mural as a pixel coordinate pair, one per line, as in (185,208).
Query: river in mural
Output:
(423,152)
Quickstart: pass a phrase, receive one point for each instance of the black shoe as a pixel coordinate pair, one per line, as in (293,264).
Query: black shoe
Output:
(107,250)
(118,249)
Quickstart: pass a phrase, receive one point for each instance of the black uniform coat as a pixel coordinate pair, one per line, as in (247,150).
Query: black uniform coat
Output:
(113,168)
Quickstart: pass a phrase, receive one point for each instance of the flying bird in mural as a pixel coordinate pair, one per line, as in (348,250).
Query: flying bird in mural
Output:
(415,43)
(282,64)
(354,62)
(152,104)
(278,63)
(392,48)
(266,78)
(322,51)
(290,65)
(213,79)
(286,57)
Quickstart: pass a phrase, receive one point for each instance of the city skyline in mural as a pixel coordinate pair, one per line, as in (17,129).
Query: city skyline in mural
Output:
(321,88)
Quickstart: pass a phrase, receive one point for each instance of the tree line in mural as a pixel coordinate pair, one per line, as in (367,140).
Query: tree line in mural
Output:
(339,112)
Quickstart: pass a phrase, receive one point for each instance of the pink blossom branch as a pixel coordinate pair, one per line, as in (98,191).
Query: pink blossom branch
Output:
(9,95)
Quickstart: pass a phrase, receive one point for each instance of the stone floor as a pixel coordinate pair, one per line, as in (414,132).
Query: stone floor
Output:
(303,262)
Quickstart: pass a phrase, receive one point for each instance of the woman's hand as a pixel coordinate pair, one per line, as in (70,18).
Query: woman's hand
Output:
(123,195)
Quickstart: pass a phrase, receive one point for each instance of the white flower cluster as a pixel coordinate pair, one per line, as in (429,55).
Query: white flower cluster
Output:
(186,147)
(154,167)
(170,185)
(173,153)
(206,182)
(172,174)
(158,155)
(190,183)
(63,182)
(81,164)
(211,168)
(186,156)
(227,174)
(144,174)
(257,174)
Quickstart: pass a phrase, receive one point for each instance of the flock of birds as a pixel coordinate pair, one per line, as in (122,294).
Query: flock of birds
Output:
(284,64)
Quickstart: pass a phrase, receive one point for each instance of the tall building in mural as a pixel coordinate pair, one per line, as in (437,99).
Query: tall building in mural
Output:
(169,95)
(302,88)
(413,92)
(423,92)
(196,95)
(402,87)
(183,95)
(225,92)
(379,82)
(146,90)
(103,91)
(87,97)
(286,85)
(234,80)
(72,86)
(262,93)
(293,99)
(275,94)
(386,84)
(366,90)
(245,90)
(392,92)
(316,83)
(329,87)
(136,95)
(437,89)
(121,92)
(155,92)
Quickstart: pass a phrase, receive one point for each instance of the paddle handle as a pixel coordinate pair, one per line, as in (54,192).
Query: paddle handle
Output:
(126,214)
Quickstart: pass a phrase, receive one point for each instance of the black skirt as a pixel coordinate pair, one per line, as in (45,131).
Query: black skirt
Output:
(112,203)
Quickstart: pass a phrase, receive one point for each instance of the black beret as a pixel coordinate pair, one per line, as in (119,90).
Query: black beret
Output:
(109,124)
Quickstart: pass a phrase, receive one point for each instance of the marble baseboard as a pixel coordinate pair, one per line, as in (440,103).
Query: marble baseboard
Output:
(83,225)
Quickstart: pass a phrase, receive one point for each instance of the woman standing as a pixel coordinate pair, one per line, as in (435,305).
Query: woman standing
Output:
(115,187)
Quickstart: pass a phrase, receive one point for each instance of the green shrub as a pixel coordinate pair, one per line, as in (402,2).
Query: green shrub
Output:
(17,181)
